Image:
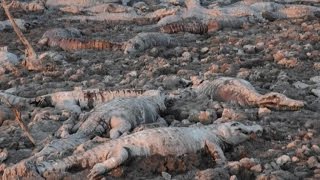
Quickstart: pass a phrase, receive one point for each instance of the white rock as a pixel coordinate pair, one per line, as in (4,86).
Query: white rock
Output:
(283,160)
(300,85)
(316,92)
(315,79)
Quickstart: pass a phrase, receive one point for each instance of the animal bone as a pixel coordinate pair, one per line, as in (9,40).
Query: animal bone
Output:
(243,93)
(162,141)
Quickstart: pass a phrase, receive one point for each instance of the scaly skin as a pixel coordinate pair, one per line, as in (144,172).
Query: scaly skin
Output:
(116,117)
(241,92)
(68,44)
(236,15)
(83,99)
(143,41)
(162,141)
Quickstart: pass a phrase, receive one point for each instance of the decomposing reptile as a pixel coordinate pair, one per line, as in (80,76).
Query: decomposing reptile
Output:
(241,92)
(74,100)
(69,40)
(114,118)
(233,16)
(162,141)
(36,5)
(143,41)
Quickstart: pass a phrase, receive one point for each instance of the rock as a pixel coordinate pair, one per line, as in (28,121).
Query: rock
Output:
(166,175)
(285,175)
(284,159)
(186,56)
(263,112)
(278,56)
(216,173)
(315,79)
(250,49)
(260,46)
(300,85)
(3,155)
(233,177)
(233,114)
(2,167)
(316,92)
(185,121)
(247,163)
(234,167)
(257,168)
(313,162)
(294,159)
(133,74)
(315,148)
(205,117)
(316,65)
(204,50)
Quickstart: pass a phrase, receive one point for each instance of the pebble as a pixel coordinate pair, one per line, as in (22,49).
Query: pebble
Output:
(3,155)
(247,163)
(300,85)
(284,159)
(204,50)
(313,162)
(263,112)
(316,92)
(166,175)
(294,159)
(315,79)
(315,148)
(250,49)
(257,168)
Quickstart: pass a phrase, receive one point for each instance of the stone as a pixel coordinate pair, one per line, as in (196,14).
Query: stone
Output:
(284,159)
(204,50)
(300,85)
(316,92)
(315,148)
(250,49)
(315,79)
(294,159)
(257,168)
(247,163)
(166,175)
(3,155)
(313,162)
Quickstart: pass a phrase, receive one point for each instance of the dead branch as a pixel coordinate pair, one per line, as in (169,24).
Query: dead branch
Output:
(31,60)
(19,120)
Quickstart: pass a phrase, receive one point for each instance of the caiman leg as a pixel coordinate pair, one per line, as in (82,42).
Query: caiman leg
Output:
(114,159)
(216,153)
(118,127)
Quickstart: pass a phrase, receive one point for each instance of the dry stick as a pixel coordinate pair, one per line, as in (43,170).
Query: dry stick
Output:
(19,120)
(31,61)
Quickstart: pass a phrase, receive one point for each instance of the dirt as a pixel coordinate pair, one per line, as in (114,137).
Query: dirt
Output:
(292,133)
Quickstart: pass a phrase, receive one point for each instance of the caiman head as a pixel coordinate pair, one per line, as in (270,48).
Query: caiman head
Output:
(279,101)
(235,133)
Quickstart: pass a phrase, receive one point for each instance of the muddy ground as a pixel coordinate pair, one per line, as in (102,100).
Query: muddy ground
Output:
(226,52)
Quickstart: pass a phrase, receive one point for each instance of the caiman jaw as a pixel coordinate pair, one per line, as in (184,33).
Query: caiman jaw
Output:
(279,102)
